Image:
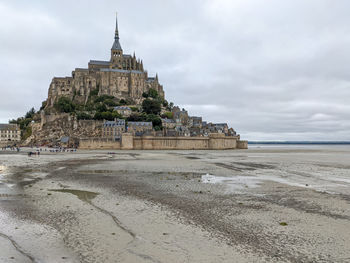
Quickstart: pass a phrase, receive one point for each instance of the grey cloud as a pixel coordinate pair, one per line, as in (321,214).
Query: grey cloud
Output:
(272,69)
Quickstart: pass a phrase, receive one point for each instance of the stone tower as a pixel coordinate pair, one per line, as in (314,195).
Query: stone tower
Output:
(116,50)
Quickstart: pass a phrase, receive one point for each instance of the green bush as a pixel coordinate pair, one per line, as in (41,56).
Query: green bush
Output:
(27,132)
(101,108)
(94,92)
(103,98)
(123,102)
(84,116)
(64,104)
(110,102)
(107,115)
(168,115)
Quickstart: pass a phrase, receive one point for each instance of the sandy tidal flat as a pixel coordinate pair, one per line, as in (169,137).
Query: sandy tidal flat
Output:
(259,205)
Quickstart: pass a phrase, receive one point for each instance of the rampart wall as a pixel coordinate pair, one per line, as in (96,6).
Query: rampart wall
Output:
(129,142)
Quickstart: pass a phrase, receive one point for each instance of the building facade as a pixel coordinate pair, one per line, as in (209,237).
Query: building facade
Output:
(10,132)
(140,128)
(113,129)
(125,111)
(122,76)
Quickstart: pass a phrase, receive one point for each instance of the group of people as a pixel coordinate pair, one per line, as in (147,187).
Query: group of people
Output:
(11,148)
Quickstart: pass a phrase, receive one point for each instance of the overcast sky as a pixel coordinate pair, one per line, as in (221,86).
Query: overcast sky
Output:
(272,69)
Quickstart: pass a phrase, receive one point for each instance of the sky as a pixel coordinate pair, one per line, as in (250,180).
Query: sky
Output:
(271,69)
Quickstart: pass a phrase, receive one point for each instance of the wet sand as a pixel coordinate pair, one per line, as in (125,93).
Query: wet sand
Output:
(266,204)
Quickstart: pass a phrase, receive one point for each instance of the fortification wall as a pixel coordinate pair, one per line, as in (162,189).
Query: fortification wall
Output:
(129,142)
(99,143)
(170,143)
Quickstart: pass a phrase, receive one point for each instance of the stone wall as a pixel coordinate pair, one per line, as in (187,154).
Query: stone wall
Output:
(99,143)
(129,142)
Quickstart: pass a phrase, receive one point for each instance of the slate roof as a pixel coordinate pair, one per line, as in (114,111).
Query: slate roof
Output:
(140,123)
(122,108)
(65,139)
(99,62)
(116,45)
(121,70)
(114,123)
(168,120)
(8,126)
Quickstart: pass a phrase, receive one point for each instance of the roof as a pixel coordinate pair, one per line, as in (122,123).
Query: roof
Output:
(140,123)
(122,108)
(65,139)
(8,126)
(116,45)
(220,124)
(99,62)
(121,70)
(126,56)
(81,69)
(168,120)
(119,122)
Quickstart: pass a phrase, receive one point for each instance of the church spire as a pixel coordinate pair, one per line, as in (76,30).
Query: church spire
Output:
(116,35)
(116,44)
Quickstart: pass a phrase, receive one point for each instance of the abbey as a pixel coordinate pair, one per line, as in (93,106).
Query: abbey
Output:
(123,77)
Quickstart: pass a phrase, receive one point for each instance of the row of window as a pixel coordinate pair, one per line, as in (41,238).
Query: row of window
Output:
(8,131)
(9,136)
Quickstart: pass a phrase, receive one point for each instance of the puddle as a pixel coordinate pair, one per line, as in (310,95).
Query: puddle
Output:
(96,171)
(233,183)
(85,196)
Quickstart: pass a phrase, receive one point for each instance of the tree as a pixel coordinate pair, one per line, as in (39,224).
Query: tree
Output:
(43,105)
(156,121)
(30,113)
(165,103)
(101,108)
(123,102)
(64,104)
(145,95)
(151,106)
(153,93)
(137,117)
(170,106)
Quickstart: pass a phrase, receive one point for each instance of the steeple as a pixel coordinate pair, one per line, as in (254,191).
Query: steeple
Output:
(116,44)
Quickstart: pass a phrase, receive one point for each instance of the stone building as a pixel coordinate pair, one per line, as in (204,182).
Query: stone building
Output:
(139,128)
(195,121)
(181,116)
(122,76)
(10,132)
(125,111)
(113,129)
(168,123)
